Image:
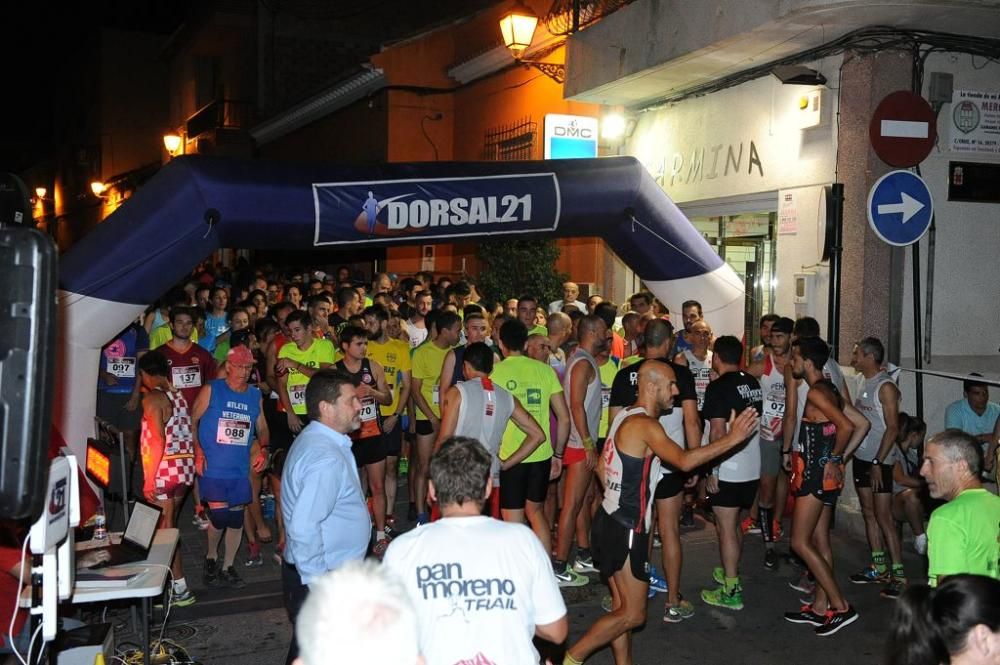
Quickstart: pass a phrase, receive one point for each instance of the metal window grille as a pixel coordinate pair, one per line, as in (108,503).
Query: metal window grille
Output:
(507,143)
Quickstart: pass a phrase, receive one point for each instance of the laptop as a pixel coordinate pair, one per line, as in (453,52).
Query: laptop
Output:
(137,539)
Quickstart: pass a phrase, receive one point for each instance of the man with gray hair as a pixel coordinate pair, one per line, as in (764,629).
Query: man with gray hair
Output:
(964,534)
(482,588)
(355,611)
(570,293)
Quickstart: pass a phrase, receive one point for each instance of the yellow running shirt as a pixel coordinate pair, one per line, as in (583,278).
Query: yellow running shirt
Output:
(394,357)
(428,359)
(319,352)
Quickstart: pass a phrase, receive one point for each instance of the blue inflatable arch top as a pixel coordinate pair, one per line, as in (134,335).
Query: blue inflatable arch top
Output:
(197,204)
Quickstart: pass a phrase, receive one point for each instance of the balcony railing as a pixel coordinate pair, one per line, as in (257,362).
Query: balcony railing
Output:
(220,114)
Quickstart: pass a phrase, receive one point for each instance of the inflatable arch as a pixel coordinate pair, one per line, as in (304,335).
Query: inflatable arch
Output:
(197,204)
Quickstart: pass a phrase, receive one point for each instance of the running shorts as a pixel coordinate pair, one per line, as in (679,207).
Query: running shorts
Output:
(611,544)
(863,475)
(370,450)
(770,457)
(527,481)
(735,495)
(231,491)
(670,485)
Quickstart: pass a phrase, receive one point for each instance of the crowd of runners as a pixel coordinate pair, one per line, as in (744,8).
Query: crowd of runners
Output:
(603,428)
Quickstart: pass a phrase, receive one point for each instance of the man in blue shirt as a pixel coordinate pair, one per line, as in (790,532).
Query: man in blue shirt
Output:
(118,396)
(324,507)
(976,414)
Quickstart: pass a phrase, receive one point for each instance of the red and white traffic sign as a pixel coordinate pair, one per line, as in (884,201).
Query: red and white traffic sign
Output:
(903,129)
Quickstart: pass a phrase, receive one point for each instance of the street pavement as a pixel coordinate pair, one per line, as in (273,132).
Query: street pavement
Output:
(249,626)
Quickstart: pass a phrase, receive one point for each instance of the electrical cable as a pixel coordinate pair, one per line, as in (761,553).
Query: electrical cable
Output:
(865,40)
(17,604)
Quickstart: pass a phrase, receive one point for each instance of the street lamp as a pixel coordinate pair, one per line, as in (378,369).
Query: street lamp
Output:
(99,188)
(172,142)
(517,27)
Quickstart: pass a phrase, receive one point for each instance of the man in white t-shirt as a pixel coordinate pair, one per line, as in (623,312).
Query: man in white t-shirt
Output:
(482,588)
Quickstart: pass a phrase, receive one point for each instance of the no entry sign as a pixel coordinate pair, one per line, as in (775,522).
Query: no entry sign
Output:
(903,129)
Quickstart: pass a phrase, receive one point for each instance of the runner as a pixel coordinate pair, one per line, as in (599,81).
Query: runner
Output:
(297,362)
(629,465)
(698,359)
(583,390)
(191,366)
(216,318)
(733,482)
(416,326)
(118,388)
(367,444)
(527,313)
(394,357)
(559,328)
(770,371)
(476,330)
(479,409)
(827,437)
(524,487)
(879,402)
(682,425)
(428,360)
(230,438)
(167,455)
(277,418)
(691,313)
(758,352)
(907,485)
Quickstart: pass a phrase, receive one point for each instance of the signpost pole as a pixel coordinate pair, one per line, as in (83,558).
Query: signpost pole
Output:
(833,304)
(918,361)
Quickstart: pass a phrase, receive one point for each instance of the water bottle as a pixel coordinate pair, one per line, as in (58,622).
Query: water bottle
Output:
(267,507)
(100,525)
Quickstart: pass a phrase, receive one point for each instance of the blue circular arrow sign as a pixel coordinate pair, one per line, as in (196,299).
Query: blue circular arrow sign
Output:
(900,208)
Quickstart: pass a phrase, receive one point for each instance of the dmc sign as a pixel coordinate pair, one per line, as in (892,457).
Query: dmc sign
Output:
(570,136)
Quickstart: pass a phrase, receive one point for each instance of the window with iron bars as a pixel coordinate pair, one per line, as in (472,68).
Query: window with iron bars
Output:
(512,142)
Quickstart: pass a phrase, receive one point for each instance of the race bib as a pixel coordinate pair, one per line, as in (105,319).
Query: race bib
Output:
(605,397)
(233,432)
(436,395)
(123,368)
(297,395)
(188,376)
(369,411)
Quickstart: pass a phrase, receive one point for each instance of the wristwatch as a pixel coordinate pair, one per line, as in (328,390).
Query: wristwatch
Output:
(875,461)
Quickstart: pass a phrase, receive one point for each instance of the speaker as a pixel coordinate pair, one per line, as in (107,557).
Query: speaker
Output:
(27,364)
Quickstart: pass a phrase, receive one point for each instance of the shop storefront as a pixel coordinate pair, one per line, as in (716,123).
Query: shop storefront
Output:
(747,166)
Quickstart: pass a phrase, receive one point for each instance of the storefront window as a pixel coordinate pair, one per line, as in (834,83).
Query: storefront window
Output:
(747,243)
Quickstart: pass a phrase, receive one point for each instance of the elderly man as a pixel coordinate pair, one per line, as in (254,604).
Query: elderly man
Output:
(230,438)
(962,535)
(326,516)
(570,293)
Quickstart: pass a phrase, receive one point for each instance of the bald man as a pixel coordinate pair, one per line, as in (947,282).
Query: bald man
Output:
(560,329)
(620,532)
(570,293)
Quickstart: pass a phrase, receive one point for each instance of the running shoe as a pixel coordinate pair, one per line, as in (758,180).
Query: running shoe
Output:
(837,620)
(677,613)
(687,516)
(380,547)
(730,600)
(656,581)
(894,589)
(920,544)
(805,584)
(182,599)
(749,525)
(423,518)
(770,559)
(776,530)
(807,616)
(254,557)
(719,575)
(210,577)
(231,578)
(279,554)
(657,543)
(569,578)
(584,564)
(200,520)
(870,575)
(606,603)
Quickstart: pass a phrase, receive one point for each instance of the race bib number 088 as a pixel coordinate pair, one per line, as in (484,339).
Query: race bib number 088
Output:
(233,432)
